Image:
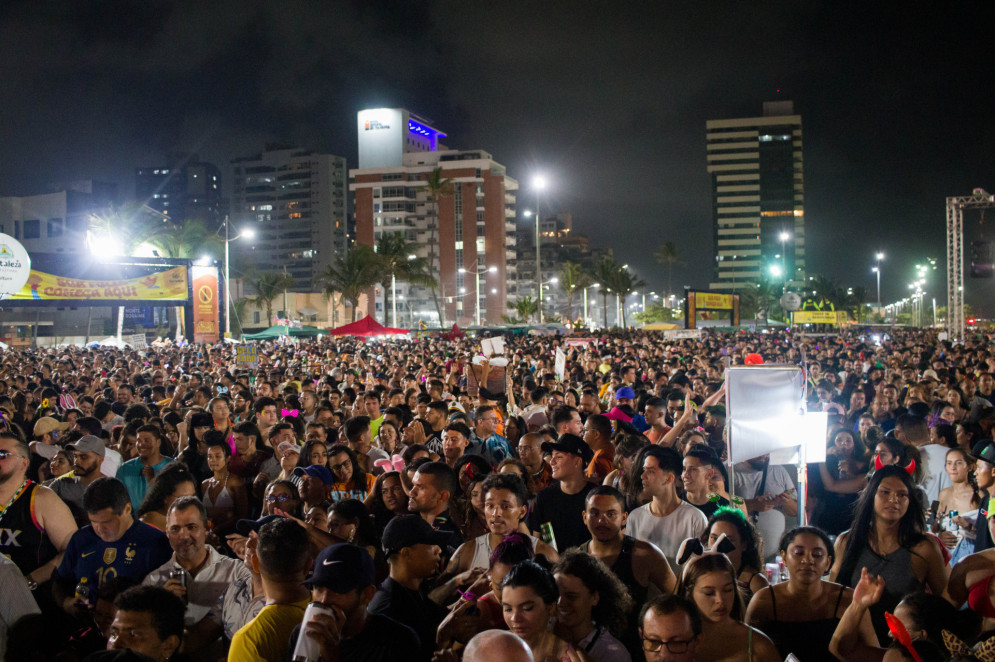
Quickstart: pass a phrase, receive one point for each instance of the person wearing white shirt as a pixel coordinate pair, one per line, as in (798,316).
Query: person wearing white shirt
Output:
(208,575)
(667,520)
(770,493)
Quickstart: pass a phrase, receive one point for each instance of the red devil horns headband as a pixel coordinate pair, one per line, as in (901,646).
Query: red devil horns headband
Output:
(879,465)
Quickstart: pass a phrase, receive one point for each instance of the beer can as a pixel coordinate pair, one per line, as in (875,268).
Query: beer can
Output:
(180,575)
(547,535)
(307,649)
(83,592)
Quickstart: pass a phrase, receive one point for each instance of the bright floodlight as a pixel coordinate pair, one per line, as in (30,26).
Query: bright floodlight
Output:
(204,260)
(880,256)
(462,270)
(527,213)
(775,270)
(785,236)
(106,246)
(874,269)
(493,270)
(248,233)
(554,280)
(539,182)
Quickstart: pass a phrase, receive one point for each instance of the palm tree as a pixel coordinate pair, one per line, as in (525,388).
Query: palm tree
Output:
(526,307)
(398,262)
(668,254)
(859,298)
(268,286)
(436,187)
(352,274)
(573,278)
(604,271)
(191,241)
(624,282)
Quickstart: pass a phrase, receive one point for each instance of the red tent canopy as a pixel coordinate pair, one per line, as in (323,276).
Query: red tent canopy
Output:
(367,327)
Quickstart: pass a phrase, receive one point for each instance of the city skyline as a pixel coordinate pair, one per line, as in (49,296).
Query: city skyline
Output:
(610,107)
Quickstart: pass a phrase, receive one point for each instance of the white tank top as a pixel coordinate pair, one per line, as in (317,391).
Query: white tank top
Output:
(482,551)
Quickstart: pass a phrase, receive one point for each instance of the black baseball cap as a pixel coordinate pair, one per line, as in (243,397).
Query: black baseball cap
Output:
(569,443)
(408,530)
(244,526)
(984,450)
(342,568)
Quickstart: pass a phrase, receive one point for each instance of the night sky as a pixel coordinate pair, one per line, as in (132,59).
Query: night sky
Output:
(608,100)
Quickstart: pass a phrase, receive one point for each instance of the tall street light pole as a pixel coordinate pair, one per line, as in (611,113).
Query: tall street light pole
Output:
(538,183)
(585,301)
(784,236)
(877,270)
(247,233)
(476,278)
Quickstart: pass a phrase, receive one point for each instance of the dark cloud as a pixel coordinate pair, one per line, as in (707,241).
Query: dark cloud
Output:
(608,99)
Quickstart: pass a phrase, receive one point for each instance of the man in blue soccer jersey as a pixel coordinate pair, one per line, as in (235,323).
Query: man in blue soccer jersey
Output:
(114,545)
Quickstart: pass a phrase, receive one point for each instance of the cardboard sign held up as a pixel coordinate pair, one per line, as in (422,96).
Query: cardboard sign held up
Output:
(492,373)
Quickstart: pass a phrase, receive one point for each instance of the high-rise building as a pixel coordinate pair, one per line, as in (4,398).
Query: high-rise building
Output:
(56,222)
(295,201)
(758,190)
(468,232)
(184,188)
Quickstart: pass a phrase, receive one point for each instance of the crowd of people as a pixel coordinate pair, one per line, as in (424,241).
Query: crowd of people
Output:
(340,500)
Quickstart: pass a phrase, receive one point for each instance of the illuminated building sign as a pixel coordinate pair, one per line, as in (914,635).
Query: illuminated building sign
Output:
(373,125)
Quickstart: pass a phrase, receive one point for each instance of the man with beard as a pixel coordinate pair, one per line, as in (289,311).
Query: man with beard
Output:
(86,469)
(769,492)
(37,525)
(432,489)
(208,574)
(636,563)
(138,474)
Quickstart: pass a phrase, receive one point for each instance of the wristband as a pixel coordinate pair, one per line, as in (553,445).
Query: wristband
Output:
(468,596)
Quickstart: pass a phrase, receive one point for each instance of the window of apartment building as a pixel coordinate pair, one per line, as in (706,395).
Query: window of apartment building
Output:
(32,229)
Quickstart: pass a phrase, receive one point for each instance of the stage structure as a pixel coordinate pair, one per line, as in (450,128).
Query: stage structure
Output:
(84,280)
(724,306)
(979,199)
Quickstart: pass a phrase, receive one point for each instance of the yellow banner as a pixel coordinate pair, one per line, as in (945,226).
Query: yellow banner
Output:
(169,285)
(818,317)
(712,301)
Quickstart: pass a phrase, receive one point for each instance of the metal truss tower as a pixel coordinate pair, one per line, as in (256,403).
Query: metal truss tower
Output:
(979,199)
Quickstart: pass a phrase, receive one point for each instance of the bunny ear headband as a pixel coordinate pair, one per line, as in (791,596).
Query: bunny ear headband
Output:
(692,548)
(396,463)
(983,651)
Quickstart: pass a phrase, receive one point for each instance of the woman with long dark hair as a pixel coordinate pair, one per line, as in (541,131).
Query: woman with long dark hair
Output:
(888,538)
(959,504)
(173,482)
(801,614)
(528,598)
(710,582)
(387,499)
(747,558)
(844,475)
(593,607)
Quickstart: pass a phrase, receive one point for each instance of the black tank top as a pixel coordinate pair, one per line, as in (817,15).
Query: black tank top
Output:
(808,640)
(21,539)
(622,568)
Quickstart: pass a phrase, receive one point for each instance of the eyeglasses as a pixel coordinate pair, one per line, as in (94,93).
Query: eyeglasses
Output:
(674,645)
(5,454)
(283,498)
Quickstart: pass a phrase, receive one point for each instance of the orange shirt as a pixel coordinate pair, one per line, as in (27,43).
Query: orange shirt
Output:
(601,464)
